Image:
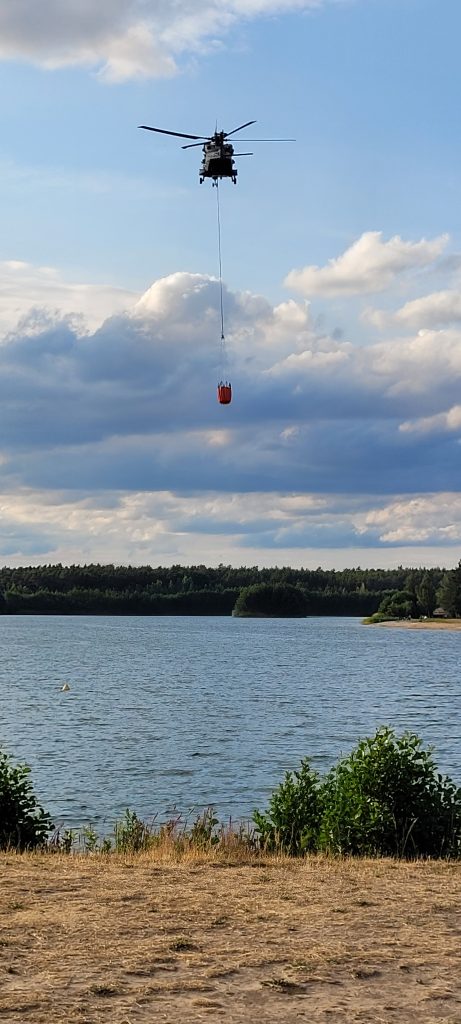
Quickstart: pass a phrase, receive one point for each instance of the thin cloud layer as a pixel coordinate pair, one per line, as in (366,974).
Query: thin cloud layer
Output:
(124,38)
(368,265)
(24,288)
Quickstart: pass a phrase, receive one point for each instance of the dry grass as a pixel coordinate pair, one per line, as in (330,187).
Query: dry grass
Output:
(127,939)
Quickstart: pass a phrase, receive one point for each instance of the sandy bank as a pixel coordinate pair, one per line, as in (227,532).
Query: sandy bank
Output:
(125,940)
(421,624)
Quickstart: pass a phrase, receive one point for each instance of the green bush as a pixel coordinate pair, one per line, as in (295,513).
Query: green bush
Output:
(24,825)
(378,617)
(385,798)
(401,604)
(293,818)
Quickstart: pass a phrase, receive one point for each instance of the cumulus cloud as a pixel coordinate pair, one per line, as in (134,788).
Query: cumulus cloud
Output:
(107,421)
(153,369)
(427,364)
(124,38)
(439,309)
(424,519)
(368,265)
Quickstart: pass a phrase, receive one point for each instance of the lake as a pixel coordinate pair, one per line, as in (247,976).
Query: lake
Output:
(182,712)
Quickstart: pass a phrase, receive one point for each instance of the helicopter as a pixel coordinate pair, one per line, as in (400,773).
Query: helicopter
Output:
(218,153)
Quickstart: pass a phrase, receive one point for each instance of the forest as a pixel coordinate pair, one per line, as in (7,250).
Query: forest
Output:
(201,590)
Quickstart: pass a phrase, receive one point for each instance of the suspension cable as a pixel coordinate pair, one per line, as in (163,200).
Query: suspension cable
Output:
(220,260)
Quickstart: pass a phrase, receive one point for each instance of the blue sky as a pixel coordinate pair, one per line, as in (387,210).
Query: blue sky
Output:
(342,271)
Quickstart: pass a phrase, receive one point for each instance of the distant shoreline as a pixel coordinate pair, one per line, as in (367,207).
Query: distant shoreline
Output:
(453,624)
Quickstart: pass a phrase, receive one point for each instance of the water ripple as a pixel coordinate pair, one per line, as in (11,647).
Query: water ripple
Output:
(180,712)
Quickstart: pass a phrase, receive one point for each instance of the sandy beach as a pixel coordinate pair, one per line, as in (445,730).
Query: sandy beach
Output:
(130,939)
(447,624)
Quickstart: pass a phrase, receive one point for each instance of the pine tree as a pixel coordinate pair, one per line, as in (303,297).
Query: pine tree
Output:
(425,593)
(449,592)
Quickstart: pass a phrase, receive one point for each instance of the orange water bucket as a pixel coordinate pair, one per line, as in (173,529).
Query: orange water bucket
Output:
(224,393)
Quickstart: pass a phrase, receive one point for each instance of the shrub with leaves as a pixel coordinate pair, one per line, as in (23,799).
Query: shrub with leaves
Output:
(24,825)
(401,604)
(291,823)
(385,798)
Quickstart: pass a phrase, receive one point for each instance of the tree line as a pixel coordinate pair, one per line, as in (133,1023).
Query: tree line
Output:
(421,597)
(201,590)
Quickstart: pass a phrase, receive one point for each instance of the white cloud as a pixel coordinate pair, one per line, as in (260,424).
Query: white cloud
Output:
(164,527)
(110,421)
(442,422)
(303,362)
(155,366)
(417,520)
(427,363)
(174,327)
(24,288)
(148,526)
(439,309)
(124,38)
(369,265)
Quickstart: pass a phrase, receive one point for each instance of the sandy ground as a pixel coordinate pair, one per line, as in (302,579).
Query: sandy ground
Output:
(128,940)
(421,624)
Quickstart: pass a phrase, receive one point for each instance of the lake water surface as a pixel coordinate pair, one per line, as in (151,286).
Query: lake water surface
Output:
(182,712)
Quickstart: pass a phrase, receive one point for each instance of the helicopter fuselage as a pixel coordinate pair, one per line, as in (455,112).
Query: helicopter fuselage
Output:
(217,161)
(218,152)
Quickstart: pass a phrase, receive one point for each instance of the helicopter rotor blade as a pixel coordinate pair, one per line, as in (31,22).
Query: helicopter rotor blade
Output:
(243,154)
(163,131)
(264,140)
(192,144)
(226,134)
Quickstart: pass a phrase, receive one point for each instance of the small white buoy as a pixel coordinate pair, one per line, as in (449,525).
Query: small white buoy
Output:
(65,688)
